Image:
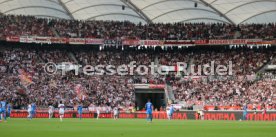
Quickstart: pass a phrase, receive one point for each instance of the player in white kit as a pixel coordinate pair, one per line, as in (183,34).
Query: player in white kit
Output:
(116,113)
(51,111)
(29,111)
(168,112)
(98,113)
(61,110)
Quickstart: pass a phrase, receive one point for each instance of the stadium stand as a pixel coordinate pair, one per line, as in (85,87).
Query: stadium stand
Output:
(32,26)
(25,81)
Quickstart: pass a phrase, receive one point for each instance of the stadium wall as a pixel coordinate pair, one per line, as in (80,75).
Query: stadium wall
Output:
(185,115)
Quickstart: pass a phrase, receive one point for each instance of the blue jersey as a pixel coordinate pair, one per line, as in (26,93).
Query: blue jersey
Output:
(245,109)
(33,107)
(9,108)
(80,108)
(3,105)
(171,109)
(149,106)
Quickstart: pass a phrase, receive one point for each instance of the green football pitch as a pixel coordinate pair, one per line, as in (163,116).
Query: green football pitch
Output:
(135,128)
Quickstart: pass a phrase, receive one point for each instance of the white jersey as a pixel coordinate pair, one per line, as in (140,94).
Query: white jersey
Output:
(98,111)
(61,108)
(116,112)
(168,111)
(29,108)
(51,109)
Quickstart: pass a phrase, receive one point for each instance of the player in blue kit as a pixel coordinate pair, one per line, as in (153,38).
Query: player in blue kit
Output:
(244,116)
(33,110)
(0,112)
(149,108)
(3,110)
(171,110)
(9,110)
(80,111)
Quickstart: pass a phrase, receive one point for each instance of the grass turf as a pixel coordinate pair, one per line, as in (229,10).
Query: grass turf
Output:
(134,128)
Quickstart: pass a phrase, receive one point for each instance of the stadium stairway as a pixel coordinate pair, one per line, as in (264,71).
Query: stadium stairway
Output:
(73,57)
(55,32)
(191,61)
(156,62)
(168,88)
(169,93)
(263,68)
(237,35)
(40,59)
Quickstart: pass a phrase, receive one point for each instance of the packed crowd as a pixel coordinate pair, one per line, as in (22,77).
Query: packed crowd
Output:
(46,89)
(232,90)
(26,81)
(244,62)
(27,25)
(226,93)
(24,26)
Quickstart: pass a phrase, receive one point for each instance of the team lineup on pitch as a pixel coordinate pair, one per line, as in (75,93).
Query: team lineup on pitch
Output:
(5,111)
(134,128)
(98,127)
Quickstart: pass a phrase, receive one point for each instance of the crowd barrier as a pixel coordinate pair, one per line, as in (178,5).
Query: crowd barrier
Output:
(184,115)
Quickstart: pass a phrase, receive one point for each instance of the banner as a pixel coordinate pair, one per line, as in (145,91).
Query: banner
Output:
(184,115)
(43,40)
(135,42)
(149,86)
(25,78)
(94,41)
(59,40)
(77,41)
(12,39)
(113,42)
(235,41)
(26,39)
(151,42)
(201,42)
(227,42)
(274,42)
(179,43)
(156,86)
(131,42)
(254,41)
(141,86)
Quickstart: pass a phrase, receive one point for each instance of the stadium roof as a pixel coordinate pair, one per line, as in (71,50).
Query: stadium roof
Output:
(147,11)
